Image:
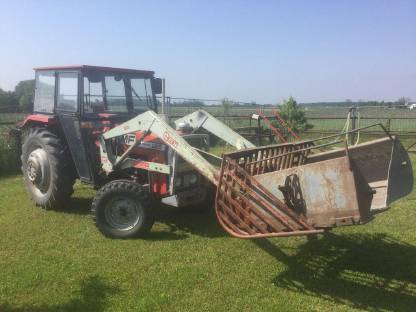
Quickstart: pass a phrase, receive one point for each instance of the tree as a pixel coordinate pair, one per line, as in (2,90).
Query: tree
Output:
(294,115)
(403,101)
(226,106)
(8,101)
(24,93)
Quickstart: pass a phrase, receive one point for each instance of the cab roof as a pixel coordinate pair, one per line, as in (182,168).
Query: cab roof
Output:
(98,68)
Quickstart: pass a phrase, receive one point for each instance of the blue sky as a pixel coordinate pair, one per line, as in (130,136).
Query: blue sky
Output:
(260,51)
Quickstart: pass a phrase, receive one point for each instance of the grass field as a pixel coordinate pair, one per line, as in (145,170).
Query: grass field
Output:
(8,156)
(8,159)
(311,111)
(57,261)
(321,118)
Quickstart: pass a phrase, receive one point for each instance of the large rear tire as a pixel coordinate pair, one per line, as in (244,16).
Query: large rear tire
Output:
(122,209)
(47,169)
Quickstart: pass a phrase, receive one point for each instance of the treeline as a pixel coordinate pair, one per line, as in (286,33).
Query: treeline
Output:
(353,103)
(18,100)
(188,103)
(347,103)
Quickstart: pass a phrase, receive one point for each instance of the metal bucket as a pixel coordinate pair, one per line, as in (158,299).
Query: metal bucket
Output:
(384,164)
(285,189)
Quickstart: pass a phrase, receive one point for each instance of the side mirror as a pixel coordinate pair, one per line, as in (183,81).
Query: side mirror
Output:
(157,85)
(95,77)
(118,77)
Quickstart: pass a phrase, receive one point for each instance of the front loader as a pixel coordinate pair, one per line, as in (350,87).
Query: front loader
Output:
(101,125)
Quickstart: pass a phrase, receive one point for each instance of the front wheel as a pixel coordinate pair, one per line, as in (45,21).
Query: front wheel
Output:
(121,209)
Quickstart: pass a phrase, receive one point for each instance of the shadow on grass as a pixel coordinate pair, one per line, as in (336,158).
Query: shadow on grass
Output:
(9,174)
(192,221)
(371,272)
(94,293)
(179,220)
(76,205)
(163,236)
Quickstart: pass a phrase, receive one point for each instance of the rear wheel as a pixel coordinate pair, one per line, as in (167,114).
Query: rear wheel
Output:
(121,209)
(47,168)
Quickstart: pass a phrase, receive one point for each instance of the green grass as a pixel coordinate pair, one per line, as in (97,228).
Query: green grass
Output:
(57,261)
(8,156)
(11,117)
(311,111)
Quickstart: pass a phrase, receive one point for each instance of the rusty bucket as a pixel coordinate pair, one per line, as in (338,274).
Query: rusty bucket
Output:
(289,189)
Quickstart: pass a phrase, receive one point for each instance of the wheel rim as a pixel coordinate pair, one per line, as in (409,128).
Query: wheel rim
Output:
(122,213)
(37,171)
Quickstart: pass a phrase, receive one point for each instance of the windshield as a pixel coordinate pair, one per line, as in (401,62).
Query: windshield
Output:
(141,93)
(113,93)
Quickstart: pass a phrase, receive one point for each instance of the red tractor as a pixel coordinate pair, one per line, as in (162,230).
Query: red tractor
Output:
(73,107)
(100,125)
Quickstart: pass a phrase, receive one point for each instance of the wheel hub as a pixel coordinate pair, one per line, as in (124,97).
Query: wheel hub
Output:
(122,213)
(37,169)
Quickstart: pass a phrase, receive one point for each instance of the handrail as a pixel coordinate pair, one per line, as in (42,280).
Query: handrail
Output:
(285,125)
(355,130)
(273,128)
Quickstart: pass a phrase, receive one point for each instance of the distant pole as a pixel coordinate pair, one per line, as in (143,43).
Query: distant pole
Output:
(167,108)
(258,132)
(353,123)
(163,96)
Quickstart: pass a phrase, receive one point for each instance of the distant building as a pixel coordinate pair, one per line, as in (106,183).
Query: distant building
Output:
(411,105)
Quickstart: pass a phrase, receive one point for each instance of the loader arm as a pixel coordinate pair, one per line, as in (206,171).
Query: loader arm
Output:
(202,119)
(150,122)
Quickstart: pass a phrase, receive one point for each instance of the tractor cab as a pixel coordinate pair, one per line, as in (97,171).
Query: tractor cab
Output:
(85,101)
(92,92)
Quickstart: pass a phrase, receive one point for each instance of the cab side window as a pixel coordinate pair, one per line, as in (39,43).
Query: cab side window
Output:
(93,96)
(115,94)
(141,93)
(68,92)
(44,92)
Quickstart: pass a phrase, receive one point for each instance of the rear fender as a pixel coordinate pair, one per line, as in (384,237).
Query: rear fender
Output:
(38,119)
(41,120)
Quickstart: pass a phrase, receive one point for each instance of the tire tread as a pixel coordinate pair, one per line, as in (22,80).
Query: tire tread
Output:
(123,186)
(62,173)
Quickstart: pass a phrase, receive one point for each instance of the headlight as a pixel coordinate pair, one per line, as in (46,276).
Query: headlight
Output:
(193,179)
(190,179)
(178,182)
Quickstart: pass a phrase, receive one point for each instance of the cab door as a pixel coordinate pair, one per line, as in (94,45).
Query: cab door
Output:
(68,111)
